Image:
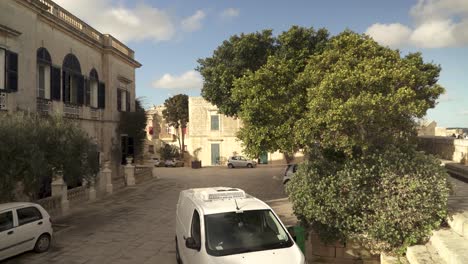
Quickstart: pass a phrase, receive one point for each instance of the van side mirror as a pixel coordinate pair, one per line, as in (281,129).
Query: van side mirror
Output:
(191,243)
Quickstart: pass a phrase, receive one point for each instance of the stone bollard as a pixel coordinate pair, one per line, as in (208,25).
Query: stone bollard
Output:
(59,188)
(90,189)
(129,173)
(154,173)
(106,175)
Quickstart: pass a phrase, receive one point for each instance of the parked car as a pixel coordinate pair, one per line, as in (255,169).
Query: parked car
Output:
(170,163)
(289,172)
(24,227)
(156,162)
(240,161)
(226,225)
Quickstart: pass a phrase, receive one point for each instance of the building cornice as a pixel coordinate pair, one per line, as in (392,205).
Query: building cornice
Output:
(9,31)
(60,18)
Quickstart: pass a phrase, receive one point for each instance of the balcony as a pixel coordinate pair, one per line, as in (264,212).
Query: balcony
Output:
(44,106)
(69,19)
(3,101)
(71,111)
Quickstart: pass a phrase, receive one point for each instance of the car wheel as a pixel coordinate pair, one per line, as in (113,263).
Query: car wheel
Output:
(42,243)
(249,165)
(177,254)
(230,166)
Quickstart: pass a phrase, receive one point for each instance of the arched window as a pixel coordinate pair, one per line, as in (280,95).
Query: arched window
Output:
(43,80)
(92,89)
(73,81)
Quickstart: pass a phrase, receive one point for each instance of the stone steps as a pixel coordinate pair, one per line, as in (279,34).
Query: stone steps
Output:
(423,254)
(451,247)
(458,222)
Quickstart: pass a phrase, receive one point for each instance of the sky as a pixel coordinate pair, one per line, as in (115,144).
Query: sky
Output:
(168,36)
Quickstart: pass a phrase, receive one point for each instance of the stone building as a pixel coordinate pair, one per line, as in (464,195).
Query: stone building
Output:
(158,132)
(215,135)
(53,62)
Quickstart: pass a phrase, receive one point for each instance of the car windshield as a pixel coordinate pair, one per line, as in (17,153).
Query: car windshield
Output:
(248,231)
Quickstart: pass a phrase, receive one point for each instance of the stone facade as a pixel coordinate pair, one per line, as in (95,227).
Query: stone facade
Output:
(447,148)
(42,33)
(217,142)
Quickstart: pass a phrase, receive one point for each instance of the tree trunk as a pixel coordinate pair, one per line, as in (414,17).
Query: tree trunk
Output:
(183,143)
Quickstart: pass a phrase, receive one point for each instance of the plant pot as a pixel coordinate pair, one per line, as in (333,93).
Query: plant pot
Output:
(196,164)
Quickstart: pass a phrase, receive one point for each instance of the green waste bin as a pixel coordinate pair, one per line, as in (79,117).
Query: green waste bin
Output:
(298,234)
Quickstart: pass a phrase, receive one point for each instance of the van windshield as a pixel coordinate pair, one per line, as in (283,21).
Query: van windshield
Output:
(249,231)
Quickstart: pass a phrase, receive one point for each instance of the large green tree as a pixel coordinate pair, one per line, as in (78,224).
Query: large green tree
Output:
(231,60)
(176,115)
(351,105)
(270,100)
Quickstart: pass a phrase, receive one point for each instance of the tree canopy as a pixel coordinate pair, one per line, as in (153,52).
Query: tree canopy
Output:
(351,105)
(176,114)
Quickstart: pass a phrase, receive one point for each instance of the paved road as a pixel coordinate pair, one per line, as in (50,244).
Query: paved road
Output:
(137,225)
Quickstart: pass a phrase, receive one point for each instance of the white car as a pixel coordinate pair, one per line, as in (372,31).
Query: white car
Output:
(222,225)
(239,161)
(23,227)
(289,172)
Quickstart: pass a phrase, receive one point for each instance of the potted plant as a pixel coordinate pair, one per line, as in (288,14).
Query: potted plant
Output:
(196,163)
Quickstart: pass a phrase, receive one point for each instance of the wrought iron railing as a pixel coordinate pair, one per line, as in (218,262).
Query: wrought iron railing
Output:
(3,101)
(44,106)
(71,110)
(95,114)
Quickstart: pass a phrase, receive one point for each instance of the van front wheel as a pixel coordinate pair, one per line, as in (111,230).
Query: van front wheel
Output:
(179,261)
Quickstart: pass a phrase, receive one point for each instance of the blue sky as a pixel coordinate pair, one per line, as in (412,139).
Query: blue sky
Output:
(169,36)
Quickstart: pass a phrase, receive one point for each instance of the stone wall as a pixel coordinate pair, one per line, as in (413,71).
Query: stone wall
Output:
(447,148)
(39,28)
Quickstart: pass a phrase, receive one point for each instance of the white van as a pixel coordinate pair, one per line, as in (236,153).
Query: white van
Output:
(227,226)
(23,227)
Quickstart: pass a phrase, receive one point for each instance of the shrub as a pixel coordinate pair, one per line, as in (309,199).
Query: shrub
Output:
(387,201)
(34,148)
(169,152)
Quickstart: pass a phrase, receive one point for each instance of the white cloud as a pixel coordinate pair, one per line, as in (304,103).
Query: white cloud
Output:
(393,35)
(141,22)
(193,22)
(230,12)
(445,98)
(437,24)
(188,80)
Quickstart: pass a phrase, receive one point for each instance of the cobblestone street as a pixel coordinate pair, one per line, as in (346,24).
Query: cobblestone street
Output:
(137,224)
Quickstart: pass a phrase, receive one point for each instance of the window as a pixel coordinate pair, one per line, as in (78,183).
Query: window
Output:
(249,231)
(92,89)
(2,69)
(28,215)
(151,149)
(215,122)
(44,62)
(73,81)
(195,230)
(6,221)
(94,93)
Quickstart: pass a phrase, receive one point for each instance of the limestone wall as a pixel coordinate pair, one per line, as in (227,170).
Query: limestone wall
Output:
(447,148)
(39,28)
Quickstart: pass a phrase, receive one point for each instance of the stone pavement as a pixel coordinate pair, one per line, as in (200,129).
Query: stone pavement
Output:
(137,224)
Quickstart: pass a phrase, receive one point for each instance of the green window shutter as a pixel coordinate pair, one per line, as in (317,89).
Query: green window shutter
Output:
(119,99)
(102,96)
(81,90)
(55,83)
(87,92)
(11,75)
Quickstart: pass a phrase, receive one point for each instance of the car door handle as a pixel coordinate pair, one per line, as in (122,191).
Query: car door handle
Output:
(10,233)
(40,223)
